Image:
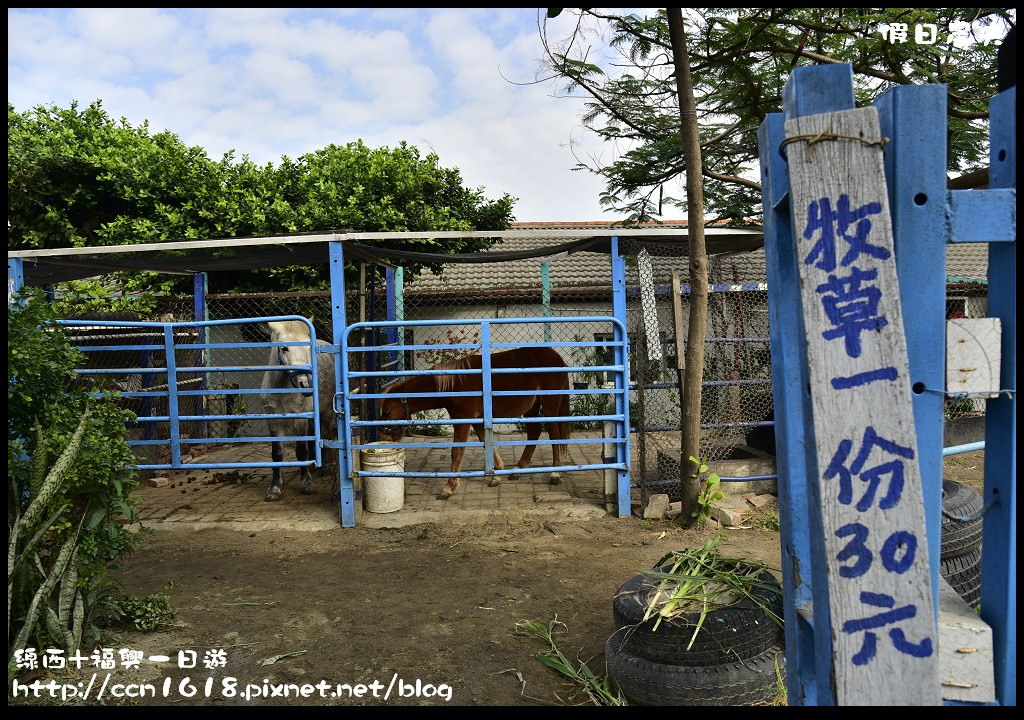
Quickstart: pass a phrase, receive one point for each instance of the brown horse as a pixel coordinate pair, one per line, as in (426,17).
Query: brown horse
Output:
(465,407)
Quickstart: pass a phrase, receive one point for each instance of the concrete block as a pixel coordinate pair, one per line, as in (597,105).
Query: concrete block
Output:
(157,482)
(727,515)
(657,505)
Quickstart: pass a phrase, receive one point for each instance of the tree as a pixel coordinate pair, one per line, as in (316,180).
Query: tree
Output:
(741,58)
(78,178)
(689,436)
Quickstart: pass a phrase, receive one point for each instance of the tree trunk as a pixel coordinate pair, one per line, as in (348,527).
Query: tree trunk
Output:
(691,396)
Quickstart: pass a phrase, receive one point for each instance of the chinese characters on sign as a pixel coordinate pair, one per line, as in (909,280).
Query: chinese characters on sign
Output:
(924,33)
(871,500)
(109,659)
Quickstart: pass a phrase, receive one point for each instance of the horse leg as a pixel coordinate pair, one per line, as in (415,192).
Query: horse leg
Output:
(533,430)
(304,451)
(499,464)
(461,435)
(277,455)
(555,405)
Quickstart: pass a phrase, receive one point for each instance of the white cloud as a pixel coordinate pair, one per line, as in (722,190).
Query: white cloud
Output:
(273,82)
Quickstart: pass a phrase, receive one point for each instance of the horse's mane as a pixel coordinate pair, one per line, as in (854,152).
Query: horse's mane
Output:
(447,383)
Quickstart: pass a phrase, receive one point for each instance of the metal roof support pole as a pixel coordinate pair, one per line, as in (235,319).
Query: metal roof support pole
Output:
(346,492)
(999,557)
(545,289)
(622,377)
(393,335)
(372,359)
(200,288)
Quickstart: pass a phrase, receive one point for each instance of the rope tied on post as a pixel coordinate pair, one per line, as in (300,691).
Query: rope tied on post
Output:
(827,134)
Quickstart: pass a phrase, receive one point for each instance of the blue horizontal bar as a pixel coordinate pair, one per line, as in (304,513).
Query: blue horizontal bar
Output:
(571,441)
(574,368)
(432,444)
(431,421)
(981,215)
(969,447)
(392,348)
(409,373)
(561,468)
(221,466)
(276,416)
(440,473)
(570,418)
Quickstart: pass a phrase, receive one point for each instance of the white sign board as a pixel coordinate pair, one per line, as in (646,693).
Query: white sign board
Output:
(972,356)
(884,645)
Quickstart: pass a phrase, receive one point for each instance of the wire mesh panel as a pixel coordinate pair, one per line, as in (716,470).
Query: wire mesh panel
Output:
(736,405)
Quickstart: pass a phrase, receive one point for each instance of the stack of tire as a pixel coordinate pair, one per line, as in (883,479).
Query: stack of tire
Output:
(735,659)
(960,561)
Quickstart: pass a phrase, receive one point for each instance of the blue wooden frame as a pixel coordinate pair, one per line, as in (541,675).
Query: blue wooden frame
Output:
(925,217)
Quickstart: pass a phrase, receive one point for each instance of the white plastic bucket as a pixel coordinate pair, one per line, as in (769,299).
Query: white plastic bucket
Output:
(382,493)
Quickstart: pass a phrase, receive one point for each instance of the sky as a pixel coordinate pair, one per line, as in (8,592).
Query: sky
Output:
(272,82)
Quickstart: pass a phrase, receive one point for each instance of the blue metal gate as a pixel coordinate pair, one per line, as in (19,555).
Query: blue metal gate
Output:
(164,377)
(615,390)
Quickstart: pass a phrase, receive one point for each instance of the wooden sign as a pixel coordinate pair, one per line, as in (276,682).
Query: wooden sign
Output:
(884,644)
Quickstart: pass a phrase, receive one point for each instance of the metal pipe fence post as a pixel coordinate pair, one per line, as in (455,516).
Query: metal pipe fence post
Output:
(346,491)
(621,377)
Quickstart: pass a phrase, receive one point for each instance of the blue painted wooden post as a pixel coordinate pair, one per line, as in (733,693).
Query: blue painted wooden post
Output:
(999,555)
(346,491)
(806,605)
(15,277)
(925,217)
(914,120)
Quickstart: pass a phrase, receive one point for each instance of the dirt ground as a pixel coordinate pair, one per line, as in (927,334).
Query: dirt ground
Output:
(430,604)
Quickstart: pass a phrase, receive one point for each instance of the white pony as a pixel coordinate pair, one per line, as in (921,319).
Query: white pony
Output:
(281,403)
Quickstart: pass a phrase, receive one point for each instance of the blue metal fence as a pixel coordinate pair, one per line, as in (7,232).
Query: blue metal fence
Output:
(619,416)
(191,380)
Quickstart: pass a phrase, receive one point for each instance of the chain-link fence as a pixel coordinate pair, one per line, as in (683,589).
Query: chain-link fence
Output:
(736,408)
(736,399)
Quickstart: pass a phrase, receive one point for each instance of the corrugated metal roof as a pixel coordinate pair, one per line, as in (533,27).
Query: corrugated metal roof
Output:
(578,271)
(965,263)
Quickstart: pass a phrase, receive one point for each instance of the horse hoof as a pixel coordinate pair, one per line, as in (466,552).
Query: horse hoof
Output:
(495,482)
(307,488)
(556,478)
(444,495)
(273,495)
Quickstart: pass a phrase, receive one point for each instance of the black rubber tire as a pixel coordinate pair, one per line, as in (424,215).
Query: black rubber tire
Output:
(959,537)
(737,632)
(963,573)
(742,682)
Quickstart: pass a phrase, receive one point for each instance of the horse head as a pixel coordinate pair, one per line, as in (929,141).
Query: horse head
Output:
(392,409)
(293,355)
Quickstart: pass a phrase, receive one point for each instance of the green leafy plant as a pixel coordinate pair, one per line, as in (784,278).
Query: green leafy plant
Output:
(149,612)
(598,690)
(700,580)
(709,493)
(70,476)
